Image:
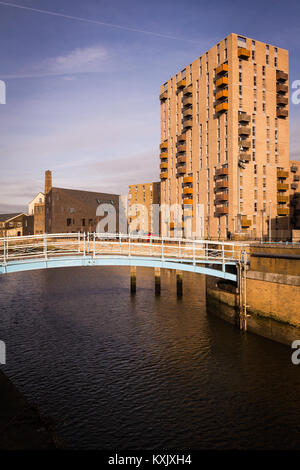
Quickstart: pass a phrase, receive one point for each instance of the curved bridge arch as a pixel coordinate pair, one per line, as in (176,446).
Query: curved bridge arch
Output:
(73,250)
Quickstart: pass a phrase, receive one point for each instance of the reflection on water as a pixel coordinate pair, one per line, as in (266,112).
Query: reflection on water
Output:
(143,372)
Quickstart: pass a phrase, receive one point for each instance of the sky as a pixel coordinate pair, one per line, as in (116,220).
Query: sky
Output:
(83,79)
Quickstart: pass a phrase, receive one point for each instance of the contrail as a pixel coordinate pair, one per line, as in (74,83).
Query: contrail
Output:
(86,20)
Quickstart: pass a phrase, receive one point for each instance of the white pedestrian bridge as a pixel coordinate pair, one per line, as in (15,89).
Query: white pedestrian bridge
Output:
(213,258)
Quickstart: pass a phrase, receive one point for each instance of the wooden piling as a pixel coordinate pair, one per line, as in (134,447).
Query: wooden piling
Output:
(179,283)
(132,279)
(157,280)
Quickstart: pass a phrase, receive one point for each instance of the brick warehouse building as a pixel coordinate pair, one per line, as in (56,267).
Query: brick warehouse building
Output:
(225,141)
(72,210)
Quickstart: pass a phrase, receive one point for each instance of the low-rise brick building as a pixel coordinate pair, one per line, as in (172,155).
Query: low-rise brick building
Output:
(16,225)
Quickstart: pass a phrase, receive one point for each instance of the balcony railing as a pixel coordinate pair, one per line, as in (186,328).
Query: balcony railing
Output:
(222,82)
(163,145)
(294,168)
(188,201)
(181,170)
(282,113)
(282,186)
(283,100)
(181,138)
(187,123)
(163,96)
(223,184)
(221,210)
(181,159)
(221,197)
(222,94)
(281,76)
(243,53)
(187,101)
(245,223)
(181,83)
(223,68)
(187,112)
(187,191)
(283,211)
(221,172)
(220,108)
(245,157)
(188,90)
(280,88)
(164,175)
(282,199)
(245,144)
(163,155)
(181,148)
(282,173)
(187,180)
(243,130)
(244,117)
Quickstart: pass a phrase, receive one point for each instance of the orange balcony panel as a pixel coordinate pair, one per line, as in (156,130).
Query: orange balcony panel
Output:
(187,191)
(163,96)
(282,113)
(282,186)
(221,210)
(188,201)
(223,81)
(187,101)
(220,108)
(243,53)
(187,112)
(281,76)
(221,94)
(181,138)
(280,88)
(187,123)
(163,145)
(187,180)
(181,148)
(163,166)
(181,83)
(221,172)
(244,117)
(181,170)
(283,211)
(172,225)
(282,173)
(181,159)
(223,68)
(164,175)
(223,184)
(282,199)
(188,90)
(245,223)
(163,155)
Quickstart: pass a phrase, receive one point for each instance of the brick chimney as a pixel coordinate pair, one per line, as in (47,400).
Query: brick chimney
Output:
(48,181)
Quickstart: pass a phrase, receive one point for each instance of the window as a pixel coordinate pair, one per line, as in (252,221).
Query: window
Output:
(69,221)
(83,222)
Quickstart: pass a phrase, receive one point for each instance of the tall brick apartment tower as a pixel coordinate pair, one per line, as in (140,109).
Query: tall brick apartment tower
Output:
(225,141)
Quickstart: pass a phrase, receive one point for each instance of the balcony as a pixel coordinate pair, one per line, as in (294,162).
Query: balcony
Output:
(223,68)
(187,191)
(221,197)
(181,138)
(188,201)
(163,166)
(282,173)
(282,113)
(282,199)
(283,211)
(163,96)
(245,223)
(223,184)
(220,108)
(243,130)
(282,186)
(187,101)
(282,100)
(245,144)
(163,155)
(181,170)
(188,213)
(172,225)
(181,159)
(281,76)
(187,112)
(187,180)
(181,83)
(245,157)
(164,175)
(221,172)
(243,53)
(187,123)
(222,94)
(280,88)
(163,146)
(188,90)
(181,148)
(222,82)
(296,177)
(294,186)
(243,117)
(294,168)
(221,210)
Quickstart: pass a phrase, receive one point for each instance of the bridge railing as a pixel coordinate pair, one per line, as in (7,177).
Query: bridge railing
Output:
(105,244)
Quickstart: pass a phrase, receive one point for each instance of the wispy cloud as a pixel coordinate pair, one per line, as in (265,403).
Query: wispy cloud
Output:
(79,60)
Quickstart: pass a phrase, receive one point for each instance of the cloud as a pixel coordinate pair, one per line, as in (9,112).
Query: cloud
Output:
(79,60)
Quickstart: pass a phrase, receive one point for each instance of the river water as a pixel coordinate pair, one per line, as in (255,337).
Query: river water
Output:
(143,372)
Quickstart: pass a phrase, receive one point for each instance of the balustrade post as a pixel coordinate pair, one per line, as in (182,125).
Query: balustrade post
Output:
(129,246)
(45,245)
(94,245)
(223,258)
(194,256)
(84,247)
(78,242)
(162,248)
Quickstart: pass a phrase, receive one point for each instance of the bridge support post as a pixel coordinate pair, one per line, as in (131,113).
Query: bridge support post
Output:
(132,279)
(157,280)
(179,283)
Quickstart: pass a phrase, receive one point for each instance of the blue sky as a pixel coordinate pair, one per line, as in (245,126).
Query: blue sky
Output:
(82,96)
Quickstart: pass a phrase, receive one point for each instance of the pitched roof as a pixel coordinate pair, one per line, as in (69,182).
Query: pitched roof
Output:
(6,217)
